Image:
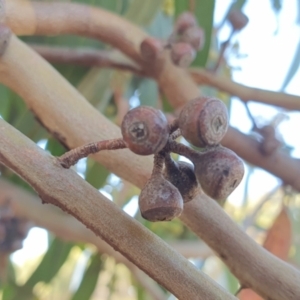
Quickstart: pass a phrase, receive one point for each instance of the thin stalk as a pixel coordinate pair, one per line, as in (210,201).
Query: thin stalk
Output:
(71,157)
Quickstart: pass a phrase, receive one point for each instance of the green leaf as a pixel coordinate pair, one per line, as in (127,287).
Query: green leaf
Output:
(181,6)
(294,213)
(28,125)
(277,5)
(161,26)
(96,174)
(11,272)
(298,12)
(5,105)
(9,292)
(166,106)
(51,263)
(90,278)
(205,15)
(204,12)
(148,92)
(238,4)
(143,12)
(95,87)
(55,147)
(116,6)
(293,68)
(232,282)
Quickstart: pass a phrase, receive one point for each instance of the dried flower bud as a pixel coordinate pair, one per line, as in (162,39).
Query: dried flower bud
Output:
(204,121)
(182,54)
(160,200)
(219,171)
(237,19)
(181,174)
(145,130)
(185,21)
(195,36)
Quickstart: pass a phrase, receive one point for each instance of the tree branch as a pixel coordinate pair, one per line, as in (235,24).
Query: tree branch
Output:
(34,91)
(66,227)
(67,190)
(112,59)
(37,18)
(254,266)
(27,206)
(84,56)
(245,93)
(278,163)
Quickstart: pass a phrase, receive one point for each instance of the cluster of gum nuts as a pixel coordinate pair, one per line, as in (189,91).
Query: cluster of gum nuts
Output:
(215,170)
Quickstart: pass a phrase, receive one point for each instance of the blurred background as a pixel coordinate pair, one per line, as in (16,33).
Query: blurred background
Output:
(35,264)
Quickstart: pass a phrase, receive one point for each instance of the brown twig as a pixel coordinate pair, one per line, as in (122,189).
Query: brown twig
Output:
(173,126)
(86,57)
(37,18)
(245,93)
(71,157)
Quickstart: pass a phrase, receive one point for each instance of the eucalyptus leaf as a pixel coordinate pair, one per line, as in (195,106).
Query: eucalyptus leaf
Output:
(294,213)
(148,92)
(293,68)
(5,105)
(298,12)
(51,263)
(95,87)
(238,4)
(55,147)
(142,12)
(90,278)
(96,174)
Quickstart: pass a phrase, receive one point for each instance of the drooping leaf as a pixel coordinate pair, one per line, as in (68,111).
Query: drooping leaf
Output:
(148,92)
(278,242)
(294,212)
(90,278)
(96,174)
(205,15)
(277,5)
(9,292)
(29,125)
(5,102)
(51,263)
(238,4)
(95,87)
(279,236)
(232,282)
(293,68)
(55,147)
(161,26)
(248,294)
(298,12)
(142,12)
